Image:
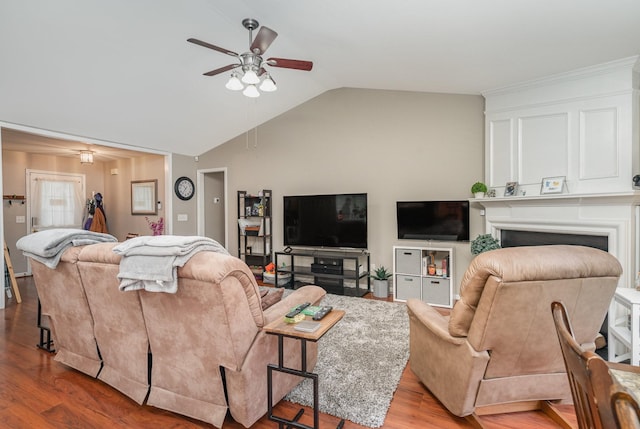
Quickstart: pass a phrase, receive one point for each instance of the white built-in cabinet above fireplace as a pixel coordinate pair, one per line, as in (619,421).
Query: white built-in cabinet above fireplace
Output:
(583,125)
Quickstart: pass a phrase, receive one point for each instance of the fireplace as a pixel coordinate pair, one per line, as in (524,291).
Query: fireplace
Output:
(513,238)
(605,221)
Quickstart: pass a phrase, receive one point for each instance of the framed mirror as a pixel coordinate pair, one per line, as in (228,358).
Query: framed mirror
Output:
(143,197)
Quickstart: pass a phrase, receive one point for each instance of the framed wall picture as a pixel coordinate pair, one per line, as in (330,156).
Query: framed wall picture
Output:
(143,197)
(552,185)
(510,189)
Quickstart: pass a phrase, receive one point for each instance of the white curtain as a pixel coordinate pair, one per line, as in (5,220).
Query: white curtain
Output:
(57,202)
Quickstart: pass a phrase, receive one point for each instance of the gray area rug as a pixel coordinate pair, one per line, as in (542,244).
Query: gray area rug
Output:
(360,360)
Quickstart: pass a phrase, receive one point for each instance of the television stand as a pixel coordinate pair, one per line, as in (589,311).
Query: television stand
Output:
(329,269)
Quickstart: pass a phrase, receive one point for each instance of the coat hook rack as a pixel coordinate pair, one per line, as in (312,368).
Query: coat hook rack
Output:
(14,197)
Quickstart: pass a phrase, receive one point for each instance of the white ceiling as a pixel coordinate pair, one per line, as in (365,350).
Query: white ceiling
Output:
(121,70)
(20,141)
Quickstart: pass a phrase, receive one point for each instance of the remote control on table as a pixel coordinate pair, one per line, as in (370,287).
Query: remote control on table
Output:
(297,310)
(322,312)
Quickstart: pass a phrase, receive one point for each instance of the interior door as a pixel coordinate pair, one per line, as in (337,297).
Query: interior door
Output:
(213,207)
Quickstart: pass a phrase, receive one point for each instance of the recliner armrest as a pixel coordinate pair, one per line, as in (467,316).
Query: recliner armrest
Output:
(433,320)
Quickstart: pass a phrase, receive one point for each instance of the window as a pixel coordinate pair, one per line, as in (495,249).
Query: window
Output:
(56,200)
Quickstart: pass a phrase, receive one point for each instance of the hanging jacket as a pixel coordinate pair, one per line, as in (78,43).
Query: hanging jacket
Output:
(99,223)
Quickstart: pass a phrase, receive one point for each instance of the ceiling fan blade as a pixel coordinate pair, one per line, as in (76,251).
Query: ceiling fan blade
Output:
(263,40)
(221,70)
(210,46)
(290,64)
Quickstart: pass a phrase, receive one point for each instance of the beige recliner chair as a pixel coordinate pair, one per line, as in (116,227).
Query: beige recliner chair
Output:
(498,351)
(210,331)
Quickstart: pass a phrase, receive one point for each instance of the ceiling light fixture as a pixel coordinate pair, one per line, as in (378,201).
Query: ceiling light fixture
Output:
(251,91)
(86,157)
(268,85)
(252,77)
(249,72)
(234,83)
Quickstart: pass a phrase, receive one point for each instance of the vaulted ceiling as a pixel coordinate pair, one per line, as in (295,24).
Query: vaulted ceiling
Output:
(121,70)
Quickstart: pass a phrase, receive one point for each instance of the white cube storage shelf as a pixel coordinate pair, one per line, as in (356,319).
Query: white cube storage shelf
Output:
(624,326)
(424,273)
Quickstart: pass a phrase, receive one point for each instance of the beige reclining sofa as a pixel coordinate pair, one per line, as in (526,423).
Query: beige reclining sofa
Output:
(179,351)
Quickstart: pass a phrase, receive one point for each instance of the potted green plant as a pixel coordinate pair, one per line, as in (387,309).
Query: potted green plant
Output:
(479,189)
(380,277)
(484,243)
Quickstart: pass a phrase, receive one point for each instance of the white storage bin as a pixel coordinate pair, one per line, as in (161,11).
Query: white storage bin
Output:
(283,278)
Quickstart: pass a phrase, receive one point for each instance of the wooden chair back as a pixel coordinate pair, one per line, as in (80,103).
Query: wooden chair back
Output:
(625,408)
(588,374)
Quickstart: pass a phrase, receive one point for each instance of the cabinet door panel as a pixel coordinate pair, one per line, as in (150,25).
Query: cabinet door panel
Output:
(436,291)
(407,287)
(408,261)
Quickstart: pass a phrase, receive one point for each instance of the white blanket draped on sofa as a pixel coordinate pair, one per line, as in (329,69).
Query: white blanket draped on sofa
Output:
(151,262)
(48,246)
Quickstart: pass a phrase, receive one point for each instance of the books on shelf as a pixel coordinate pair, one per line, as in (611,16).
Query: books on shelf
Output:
(433,266)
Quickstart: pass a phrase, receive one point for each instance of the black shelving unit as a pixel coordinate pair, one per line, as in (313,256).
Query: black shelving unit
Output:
(329,269)
(254,242)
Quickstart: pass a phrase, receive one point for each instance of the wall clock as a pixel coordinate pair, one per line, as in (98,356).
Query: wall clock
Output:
(184,188)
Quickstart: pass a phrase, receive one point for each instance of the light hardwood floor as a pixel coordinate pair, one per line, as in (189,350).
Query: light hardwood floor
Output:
(37,392)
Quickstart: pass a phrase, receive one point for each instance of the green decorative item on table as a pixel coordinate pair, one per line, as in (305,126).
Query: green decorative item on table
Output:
(484,243)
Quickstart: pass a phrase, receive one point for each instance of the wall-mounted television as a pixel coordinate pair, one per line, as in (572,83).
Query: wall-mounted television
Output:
(433,220)
(336,220)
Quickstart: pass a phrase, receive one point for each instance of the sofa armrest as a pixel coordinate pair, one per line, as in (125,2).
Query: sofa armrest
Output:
(312,294)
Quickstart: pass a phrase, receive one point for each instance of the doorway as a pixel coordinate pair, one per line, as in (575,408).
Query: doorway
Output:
(213,204)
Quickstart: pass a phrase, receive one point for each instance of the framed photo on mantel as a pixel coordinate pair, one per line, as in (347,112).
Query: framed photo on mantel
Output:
(552,185)
(510,189)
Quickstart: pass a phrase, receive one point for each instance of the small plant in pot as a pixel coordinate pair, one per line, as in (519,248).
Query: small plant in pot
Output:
(380,277)
(479,189)
(484,243)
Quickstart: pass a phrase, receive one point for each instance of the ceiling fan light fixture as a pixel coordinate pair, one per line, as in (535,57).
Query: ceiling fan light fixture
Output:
(251,91)
(250,77)
(234,83)
(268,85)
(250,73)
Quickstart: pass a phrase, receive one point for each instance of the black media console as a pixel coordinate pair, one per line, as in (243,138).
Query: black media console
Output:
(334,271)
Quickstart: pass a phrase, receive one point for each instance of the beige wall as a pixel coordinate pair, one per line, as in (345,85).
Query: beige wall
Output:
(182,165)
(118,193)
(14,166)
(392,145)
(115,189)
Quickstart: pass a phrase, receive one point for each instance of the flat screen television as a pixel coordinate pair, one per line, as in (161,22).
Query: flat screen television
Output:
(433,220)
(336,220)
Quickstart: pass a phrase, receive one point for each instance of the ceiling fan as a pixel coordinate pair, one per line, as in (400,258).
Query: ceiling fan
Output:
(251,63)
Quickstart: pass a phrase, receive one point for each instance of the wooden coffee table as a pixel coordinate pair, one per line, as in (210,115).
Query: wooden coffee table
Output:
(282,329)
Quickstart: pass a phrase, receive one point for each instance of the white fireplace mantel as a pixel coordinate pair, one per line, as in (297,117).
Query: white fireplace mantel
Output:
(613,215)
(632,197)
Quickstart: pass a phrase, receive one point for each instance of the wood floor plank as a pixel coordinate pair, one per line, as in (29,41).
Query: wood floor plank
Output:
(38,392)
